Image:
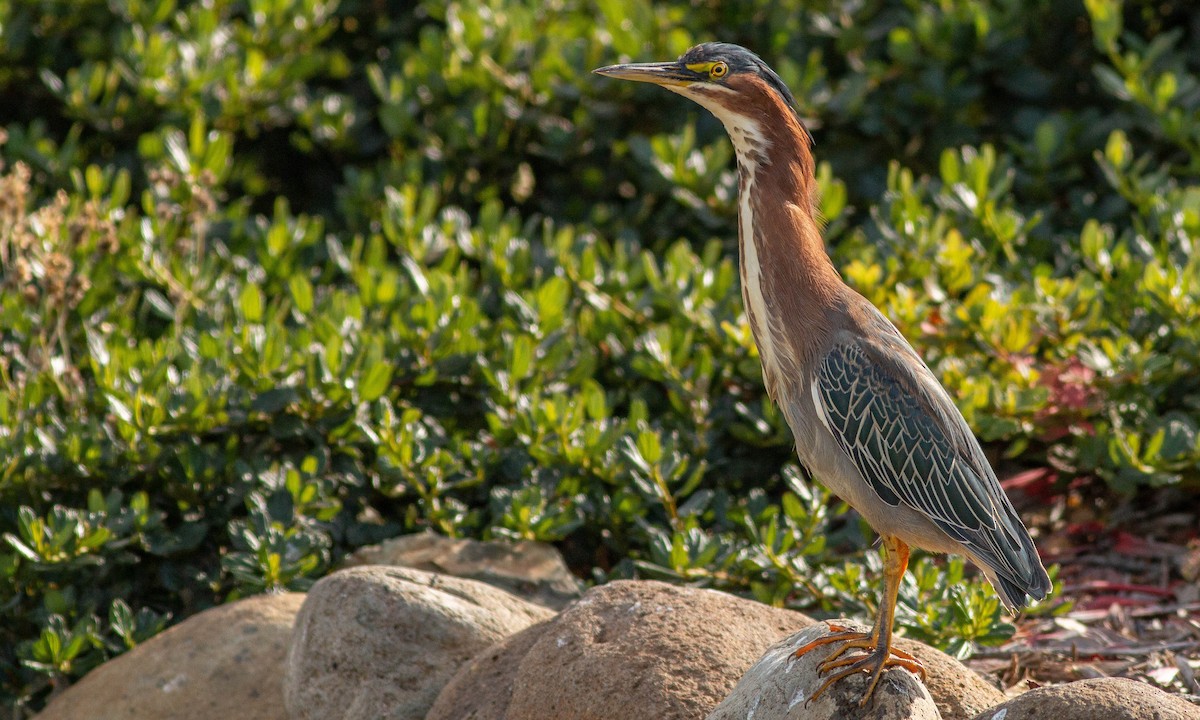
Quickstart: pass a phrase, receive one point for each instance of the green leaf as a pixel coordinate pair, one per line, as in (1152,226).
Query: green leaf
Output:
(1106,18)
(375,382)
(274,400)
(552,298)
(649,447)
(520,361)
(251,302)
(1117,150)
(159,303)
(302,293)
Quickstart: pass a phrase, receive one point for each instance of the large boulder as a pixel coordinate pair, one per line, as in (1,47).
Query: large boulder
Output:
(624,650)
(531,570)
(1095,699)
(223,663)
(380,642)
(650,650)
(781,686)
(483,689)
(960,692)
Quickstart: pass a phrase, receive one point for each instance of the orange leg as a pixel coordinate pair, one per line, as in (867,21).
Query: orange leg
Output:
(878,653)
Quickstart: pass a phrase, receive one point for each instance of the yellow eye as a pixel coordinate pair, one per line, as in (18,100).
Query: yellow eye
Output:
(718,71)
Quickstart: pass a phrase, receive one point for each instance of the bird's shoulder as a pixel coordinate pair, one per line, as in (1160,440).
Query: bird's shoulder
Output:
(866,330)
(869,345)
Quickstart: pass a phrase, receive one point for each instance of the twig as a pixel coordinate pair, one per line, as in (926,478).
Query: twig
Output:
(1113,652)
(1091,586)
(1142,612)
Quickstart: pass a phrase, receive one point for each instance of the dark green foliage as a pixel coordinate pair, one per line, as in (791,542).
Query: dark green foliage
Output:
(281,278)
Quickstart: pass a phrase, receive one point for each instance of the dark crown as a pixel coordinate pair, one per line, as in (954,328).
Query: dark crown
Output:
(739,60)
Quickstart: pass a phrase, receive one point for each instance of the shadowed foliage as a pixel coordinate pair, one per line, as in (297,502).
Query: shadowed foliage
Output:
(282,278)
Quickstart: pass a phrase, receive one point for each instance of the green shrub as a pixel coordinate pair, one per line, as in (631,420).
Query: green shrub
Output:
(281,279)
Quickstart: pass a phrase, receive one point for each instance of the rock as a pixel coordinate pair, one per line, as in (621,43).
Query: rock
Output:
(223,663)
(531,570)
(630,649)
(780,686)
(1095,699)
(483,689)
(960,692)
(380,642)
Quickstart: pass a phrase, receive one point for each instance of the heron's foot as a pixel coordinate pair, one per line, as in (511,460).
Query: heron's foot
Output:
(837,634)
(874,659)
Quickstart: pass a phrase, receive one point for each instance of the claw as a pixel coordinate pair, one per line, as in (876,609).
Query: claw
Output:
(839,633)
(835,659)
(875,661)
(895,659)
(909,662)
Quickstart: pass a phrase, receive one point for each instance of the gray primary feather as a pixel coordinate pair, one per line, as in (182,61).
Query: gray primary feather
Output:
(910,443)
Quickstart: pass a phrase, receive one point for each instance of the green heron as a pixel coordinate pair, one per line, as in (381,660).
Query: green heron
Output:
(869,418)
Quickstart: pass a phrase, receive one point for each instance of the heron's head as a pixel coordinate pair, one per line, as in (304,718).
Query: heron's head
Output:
(729,80)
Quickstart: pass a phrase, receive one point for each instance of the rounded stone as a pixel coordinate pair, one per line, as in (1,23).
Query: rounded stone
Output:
(960,692)
(782,686)
(381,641)
(629,649)
(531,570)
(222,663)
(1095,699)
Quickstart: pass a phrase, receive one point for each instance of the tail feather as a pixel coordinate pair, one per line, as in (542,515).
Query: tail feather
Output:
(1014,593)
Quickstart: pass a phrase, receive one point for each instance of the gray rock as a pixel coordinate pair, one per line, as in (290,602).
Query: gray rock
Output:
(780,686)
(532,570)
(630,649)
(381,642)
(1095,699)
(223,663)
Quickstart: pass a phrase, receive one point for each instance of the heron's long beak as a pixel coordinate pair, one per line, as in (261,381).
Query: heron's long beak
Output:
(663,73)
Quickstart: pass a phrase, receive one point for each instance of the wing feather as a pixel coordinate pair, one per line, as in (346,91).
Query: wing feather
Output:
(910,443)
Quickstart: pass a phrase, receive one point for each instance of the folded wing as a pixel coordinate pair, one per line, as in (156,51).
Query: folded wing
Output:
(912,446)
